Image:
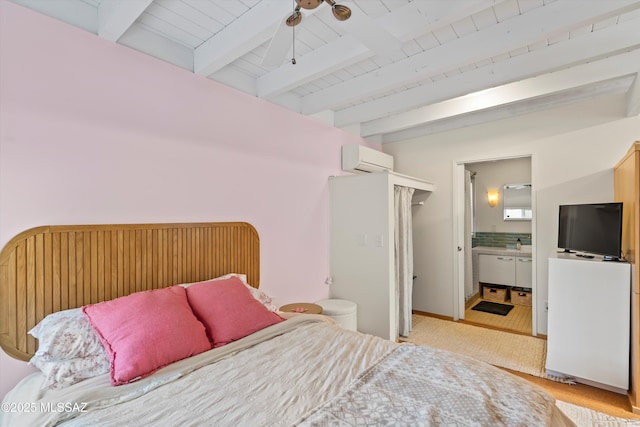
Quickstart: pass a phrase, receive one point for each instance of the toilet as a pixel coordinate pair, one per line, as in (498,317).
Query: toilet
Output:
(344,312)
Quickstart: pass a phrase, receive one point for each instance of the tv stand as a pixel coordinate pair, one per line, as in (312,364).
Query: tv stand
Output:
(589,320)
(567,251)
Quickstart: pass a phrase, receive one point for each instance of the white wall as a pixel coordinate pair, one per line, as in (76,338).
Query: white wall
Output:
(574,149)
(493,175)
(92,132)
(361,247)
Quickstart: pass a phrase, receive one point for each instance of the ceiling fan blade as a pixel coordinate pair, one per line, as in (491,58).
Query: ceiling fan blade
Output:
(369,32)
(280,44)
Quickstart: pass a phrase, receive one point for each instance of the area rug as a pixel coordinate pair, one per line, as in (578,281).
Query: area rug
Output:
(493,308)
(585,417)
(520,353)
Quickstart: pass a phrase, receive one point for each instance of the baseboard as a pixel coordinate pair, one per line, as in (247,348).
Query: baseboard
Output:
(438,316)
(590,383)
(471,301)
(632,401)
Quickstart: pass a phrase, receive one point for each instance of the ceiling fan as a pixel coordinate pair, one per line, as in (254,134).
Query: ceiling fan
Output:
(360,26)
(341,12)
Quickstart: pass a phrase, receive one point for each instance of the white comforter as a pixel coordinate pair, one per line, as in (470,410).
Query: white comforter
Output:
(304,371)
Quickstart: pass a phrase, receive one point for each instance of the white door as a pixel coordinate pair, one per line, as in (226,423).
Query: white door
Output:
(459,247)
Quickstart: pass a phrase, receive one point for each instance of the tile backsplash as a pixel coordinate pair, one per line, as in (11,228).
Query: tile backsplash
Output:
(500,240)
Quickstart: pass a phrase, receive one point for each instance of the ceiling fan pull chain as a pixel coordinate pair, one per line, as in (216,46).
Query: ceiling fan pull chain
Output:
(293,57)
(293,32)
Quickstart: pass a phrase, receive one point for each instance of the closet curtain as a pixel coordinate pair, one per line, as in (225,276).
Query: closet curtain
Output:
(403,257)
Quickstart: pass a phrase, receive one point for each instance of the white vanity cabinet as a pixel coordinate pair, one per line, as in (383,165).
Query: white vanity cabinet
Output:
(524,273)
(505,269)
(497,269)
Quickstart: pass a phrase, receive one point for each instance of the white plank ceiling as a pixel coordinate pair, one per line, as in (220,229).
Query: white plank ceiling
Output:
(396,69)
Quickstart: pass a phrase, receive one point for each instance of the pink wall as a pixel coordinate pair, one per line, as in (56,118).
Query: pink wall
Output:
(93,132)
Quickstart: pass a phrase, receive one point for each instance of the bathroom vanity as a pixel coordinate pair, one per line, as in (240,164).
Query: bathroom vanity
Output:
(508,267)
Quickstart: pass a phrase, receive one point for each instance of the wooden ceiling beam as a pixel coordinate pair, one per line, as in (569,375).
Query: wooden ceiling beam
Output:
(537,25)
(116,17)
(408,22)
(249,31)
(633,97)
(589,46)
(593,73)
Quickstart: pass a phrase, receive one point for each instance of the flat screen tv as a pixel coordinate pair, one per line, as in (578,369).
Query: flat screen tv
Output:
(593,228)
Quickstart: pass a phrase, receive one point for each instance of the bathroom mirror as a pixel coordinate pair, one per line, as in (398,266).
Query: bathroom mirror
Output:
(517,202)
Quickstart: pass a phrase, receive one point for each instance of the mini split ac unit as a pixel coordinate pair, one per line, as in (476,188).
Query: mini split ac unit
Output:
(358,158)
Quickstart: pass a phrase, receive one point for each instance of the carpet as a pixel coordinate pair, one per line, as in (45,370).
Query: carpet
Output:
(585,417)
(493,308)
(520,353)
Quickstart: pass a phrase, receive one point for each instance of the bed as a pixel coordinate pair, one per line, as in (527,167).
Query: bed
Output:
(272,368)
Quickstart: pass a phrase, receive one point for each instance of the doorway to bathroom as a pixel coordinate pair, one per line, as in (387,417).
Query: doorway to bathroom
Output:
(495,230)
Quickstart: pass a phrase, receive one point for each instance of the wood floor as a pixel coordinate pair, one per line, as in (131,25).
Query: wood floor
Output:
(518,319)
(586,396)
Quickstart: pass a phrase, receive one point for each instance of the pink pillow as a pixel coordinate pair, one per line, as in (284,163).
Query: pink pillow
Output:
(145,331)
(265,299)
(228,310)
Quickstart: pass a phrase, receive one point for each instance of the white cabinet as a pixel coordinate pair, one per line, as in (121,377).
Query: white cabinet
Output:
(524,273)
(508,270)
(497,269)
(588,323)
(362,257)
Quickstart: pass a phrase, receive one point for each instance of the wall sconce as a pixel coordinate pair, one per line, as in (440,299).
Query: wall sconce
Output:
(492,197)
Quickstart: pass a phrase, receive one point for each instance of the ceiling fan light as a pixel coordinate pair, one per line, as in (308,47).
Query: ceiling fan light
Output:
(342,13)
(294,19)
(309,4)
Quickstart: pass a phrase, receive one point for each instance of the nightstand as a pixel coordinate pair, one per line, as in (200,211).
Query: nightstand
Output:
(308,308)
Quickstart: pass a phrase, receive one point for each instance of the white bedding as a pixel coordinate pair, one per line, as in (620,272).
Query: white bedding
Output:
(305,371)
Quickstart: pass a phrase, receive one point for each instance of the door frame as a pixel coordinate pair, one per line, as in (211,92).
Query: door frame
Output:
(458,237)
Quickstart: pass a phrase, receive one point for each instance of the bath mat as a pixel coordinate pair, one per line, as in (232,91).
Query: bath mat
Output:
(493,308)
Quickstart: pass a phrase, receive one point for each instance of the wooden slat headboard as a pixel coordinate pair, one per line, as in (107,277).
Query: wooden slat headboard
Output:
(52,268)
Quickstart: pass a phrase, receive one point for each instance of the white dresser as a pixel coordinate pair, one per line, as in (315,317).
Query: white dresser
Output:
(588,323)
